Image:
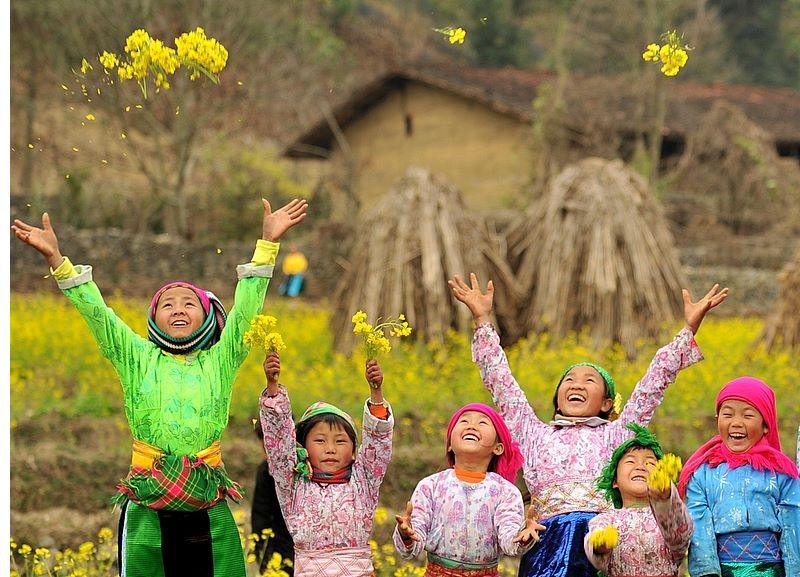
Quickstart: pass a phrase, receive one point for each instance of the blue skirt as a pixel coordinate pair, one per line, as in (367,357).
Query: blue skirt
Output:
(560,552)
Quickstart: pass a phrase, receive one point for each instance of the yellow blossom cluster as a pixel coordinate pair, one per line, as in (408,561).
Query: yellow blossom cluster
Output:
(605,538)
(201,54)
(150,57)
(89,560)
(453,35)
(260,335)
(665,472)
(374,337)
(672,54)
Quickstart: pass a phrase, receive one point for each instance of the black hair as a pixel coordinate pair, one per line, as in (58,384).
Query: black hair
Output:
(333,421)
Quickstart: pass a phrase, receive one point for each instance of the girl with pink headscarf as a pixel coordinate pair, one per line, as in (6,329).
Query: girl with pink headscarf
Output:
(471,513)
(743,493)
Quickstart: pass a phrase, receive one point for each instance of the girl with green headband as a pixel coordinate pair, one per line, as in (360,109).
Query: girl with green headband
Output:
(651,525)
(564,457)
(327,489)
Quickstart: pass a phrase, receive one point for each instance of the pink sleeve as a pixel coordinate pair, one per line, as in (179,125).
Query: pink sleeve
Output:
(681,353)
(374,454)
(512,404)
(421,518)
(509,520)
(600,562)
(279,441)
(675,522)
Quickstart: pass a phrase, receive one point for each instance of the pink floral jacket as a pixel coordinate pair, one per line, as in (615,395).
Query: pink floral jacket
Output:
(652,540)
(563,459)
(325,516)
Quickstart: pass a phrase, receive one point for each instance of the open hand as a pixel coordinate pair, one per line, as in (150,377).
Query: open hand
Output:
(694,313)
(479,303)
(42,239)
(274,224)
(272,369)
(404,525)
(530,532)
(373,373)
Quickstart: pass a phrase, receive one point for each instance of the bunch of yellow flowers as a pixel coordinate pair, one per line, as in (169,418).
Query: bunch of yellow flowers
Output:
(605,538)
(665,472)
(453,35)
(260,335)
(375,340)
(147,56)
(672,55)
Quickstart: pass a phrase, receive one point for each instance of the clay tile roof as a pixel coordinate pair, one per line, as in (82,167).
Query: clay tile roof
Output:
(511,91)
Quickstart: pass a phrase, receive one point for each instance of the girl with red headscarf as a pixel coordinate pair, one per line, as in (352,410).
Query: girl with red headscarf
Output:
(468,515)
(743,493)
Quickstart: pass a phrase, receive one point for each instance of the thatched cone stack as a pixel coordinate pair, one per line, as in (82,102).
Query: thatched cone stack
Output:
(595,252)
(419,236)
(783,325)
(730,175)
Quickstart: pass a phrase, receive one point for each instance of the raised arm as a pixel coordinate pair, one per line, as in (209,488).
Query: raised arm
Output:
(375,452)
(43,239)
(496,374)
(673,519)
(279,433)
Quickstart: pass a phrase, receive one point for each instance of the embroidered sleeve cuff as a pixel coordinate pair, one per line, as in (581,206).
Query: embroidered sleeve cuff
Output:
(376,424)
(688,347)
(266,252)
(63,271)
(82,274)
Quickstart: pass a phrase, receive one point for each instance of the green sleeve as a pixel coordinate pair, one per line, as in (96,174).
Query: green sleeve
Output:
(116,340)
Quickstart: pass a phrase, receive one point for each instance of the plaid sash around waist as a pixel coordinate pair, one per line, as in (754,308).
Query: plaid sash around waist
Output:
(748,547)
(159,480)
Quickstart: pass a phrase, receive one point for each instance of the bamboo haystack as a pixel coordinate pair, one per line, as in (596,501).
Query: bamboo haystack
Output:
(782,327)
(730,174)
(417,238)
(594,252)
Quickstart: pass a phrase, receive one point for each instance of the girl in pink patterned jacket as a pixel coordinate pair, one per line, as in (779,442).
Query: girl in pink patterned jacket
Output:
(653,525)
(327,490)
(471,513)
(564,457)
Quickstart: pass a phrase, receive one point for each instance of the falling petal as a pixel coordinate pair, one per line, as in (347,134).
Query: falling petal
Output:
(47,275)
(66,176)
(254,421)
(125,154)
(123,136)
(90,116)
(98,92)
(72,108)
(75,149)
(28,205)
(30,145)
(104,161)
(13,149)
(127,109)
(219,251)
(64,87)
(240,83)
(177,110)
(83,123)
(139,106)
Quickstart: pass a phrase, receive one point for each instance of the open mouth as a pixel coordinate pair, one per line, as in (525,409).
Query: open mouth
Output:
(641,478)
(469,437)
(180,323)
(737,436)
(576,397)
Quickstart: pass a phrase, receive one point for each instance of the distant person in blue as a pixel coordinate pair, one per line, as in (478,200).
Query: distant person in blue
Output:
(294,270)
(742,492)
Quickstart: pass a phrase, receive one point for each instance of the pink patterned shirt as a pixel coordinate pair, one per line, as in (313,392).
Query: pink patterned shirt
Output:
(465,522)
(652,540)
(325,516)
(563,461)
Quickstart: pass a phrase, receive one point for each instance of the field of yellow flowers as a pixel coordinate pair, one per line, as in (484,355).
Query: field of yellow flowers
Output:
(58,373)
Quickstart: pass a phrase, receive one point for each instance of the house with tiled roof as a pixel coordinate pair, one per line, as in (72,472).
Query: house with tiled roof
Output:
(474,125)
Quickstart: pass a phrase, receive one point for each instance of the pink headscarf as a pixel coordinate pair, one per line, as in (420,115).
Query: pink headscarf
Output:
(201,294)
(764,455)
(511,460)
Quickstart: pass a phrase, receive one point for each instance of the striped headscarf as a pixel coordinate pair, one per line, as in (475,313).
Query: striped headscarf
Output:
(204,337)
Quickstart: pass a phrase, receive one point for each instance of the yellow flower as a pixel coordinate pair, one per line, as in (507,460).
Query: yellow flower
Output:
(104,534)
(108,60)
(359,317)
(25,550)
(606,538)
(374,339)
(651,54)
(618,403)
(672,54)
(381,515)
(260,336)
(665,472)
(457,36)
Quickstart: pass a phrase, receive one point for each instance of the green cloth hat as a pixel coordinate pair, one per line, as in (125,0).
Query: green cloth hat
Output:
(642,438)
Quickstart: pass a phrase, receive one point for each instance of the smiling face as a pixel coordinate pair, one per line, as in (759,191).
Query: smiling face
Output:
(632,472)
(179,312)
(740,425)
(329,447)
(474,438)
(582,393)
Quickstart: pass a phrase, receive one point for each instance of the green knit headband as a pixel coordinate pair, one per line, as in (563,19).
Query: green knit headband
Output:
(642,438)
(321,408)
(611,387)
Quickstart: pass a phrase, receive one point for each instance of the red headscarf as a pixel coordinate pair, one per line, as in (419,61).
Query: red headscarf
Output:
(511,460)
(765,455)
